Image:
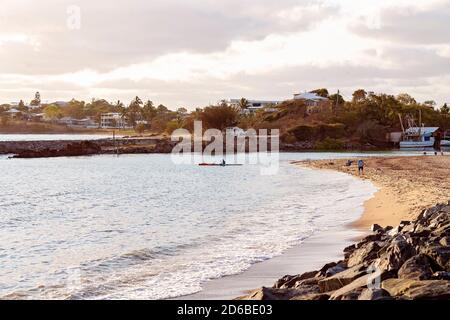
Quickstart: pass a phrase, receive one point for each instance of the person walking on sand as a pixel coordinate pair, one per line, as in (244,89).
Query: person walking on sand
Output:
(360,167)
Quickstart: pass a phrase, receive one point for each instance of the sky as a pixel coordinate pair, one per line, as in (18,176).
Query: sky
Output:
(191,53)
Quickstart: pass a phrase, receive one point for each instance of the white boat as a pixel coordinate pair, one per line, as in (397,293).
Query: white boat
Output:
(419,137)
(445,142)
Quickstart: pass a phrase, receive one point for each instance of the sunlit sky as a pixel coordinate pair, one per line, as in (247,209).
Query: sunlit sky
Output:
(194,52)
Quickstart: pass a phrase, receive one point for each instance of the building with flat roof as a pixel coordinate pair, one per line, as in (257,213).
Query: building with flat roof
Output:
(255,105)
(113,120)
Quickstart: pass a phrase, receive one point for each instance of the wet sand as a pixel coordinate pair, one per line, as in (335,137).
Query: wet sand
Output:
(313,253)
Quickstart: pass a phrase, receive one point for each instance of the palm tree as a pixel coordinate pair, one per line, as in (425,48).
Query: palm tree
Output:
(243,103)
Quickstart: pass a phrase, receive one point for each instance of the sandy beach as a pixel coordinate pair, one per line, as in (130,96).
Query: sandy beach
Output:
(406,185)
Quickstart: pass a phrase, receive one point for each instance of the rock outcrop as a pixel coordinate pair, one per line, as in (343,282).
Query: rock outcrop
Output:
(408,262)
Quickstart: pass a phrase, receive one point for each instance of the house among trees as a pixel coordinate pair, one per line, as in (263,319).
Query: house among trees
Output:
(313,101)
(251,106)
(113,120)
(13,113)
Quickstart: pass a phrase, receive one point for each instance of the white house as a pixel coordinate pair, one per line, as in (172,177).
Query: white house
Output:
(113,120)
(255,105)
(13,113)
(312,101)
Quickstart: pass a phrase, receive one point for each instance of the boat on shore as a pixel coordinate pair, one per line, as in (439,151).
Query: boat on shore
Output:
(445,142)
(417,137)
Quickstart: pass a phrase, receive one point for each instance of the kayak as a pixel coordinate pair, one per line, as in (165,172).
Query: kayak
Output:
(218,165)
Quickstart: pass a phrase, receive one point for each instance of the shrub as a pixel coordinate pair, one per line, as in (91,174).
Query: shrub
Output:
(330,144)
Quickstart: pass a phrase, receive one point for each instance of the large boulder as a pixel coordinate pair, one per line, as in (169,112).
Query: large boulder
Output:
(397,253)
(417,267)
(277,294)
(374,294)
(342,279)
(440,254)
(366,253)
(417,289)
(290,281)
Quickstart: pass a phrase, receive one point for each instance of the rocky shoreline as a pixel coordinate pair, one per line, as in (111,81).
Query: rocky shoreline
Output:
(408,262)
(63,148)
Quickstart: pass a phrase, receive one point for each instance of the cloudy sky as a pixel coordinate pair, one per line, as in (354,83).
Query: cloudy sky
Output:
(194,52)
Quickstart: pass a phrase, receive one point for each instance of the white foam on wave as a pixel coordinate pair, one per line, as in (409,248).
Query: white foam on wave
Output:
(260,235)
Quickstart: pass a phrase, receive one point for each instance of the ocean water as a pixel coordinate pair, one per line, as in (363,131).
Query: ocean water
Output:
(140,227)
(45,137)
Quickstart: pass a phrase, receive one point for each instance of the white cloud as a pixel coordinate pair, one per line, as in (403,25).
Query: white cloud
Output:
(162,48)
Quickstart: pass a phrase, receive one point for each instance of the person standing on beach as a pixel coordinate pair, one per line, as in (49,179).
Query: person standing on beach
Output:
(360,167)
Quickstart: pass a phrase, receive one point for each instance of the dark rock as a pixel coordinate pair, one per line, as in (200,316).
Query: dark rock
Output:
(357,286)
(72,149)
(342,279)
(417,289)
(318,297)
(375,227)
(404,223)
(395,255)
(336,269)
(445,241)
(440,254)
(366,253)
(290,281)
(417,267)
(393,232)
(374,294)
(323,271)
(274,294)
(441,275)
(442,230)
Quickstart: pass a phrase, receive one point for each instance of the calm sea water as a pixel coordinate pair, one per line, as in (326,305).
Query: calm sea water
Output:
(140,227)
(45,137)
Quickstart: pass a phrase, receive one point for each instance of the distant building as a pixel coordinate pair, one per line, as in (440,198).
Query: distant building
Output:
(113,120)
(255,105)
(61,103)
(313,102)
(13,113)
(78,123)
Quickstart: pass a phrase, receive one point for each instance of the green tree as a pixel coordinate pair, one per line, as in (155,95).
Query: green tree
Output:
(337,97)
(53,112)
(149,111)
(323,92)
(243,104)
(75,109)
(21,107)
(406,99)
(162,109)
(220,117)
(359,95)
(133,112)
(37,100)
